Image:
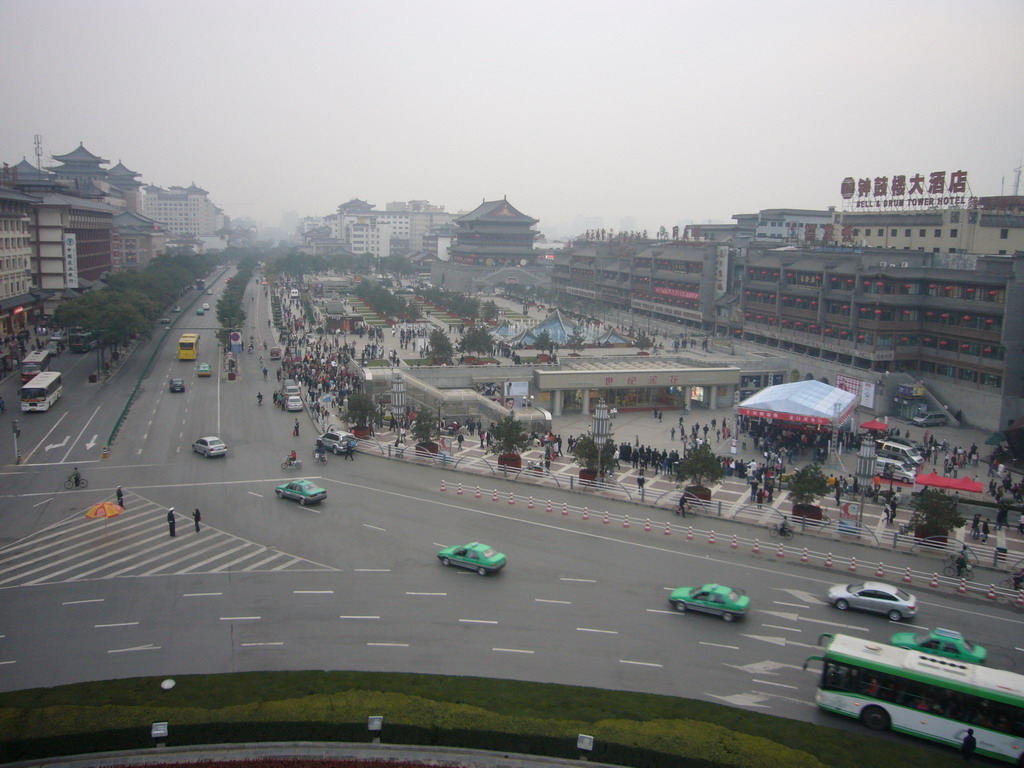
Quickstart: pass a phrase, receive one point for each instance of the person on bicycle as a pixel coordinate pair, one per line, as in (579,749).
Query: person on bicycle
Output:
(784,529)
(292,457)
(960,563)
(259,398)
(320,450)
(76,477)
(1018,579)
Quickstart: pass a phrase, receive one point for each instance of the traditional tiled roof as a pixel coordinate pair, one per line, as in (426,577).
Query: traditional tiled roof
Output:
(80,155)
(28,172)
(495,211)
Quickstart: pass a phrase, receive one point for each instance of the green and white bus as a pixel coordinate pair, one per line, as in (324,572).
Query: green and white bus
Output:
(922,695)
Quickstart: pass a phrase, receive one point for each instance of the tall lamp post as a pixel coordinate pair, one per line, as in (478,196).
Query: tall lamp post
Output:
(397,397)
(602,431)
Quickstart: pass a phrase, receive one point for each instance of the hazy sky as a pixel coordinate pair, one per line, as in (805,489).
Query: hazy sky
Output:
(667,112)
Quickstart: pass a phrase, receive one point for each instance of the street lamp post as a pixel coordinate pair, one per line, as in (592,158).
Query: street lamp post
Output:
(601,431)
(397,397)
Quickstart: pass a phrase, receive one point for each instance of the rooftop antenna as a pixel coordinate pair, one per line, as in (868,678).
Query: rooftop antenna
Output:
(1016,178)
(38,139)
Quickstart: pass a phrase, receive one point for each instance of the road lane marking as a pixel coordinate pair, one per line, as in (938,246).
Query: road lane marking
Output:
(239,618)
(44,501)
(374,527)
(261,645)
(784,629)
(779,685)
(555,602)
(359,617)
(640,663)
(512,650)
(389,645)
(581,581)
(202,594)
(2,663)
(478,621)
(312,591)
(372,570)
(720,645)
(122,624)
(791,605)
(80,602)
(257,495)
(599,631)
(149,647)
(660,610)
(428,594)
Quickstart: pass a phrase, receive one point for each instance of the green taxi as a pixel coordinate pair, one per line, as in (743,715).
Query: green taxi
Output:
(203,369)
(716,599)
(475,556)
(303,491)
(941,642)
(200,311)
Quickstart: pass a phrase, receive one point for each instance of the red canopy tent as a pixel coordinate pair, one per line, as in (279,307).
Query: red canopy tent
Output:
(966,484)
(934,480)
(875,426)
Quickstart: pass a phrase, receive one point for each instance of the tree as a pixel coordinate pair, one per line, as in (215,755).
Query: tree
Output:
(935,513)
(361,410)
(439,346)
(424,428)
(577,342)
(702,467)
(509,436)
(643,341)
(476,339)
(591,458)
(542,341)
(489,311)
(807,485)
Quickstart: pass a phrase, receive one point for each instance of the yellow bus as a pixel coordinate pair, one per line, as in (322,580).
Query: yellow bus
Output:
(188,346)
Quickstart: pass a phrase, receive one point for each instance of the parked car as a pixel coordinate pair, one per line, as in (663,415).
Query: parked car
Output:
(896,469)
(929,419)
(941,642)
(874,597)
(474,556)
(303,491)
(293,403)
(335,440)
(716,599)
(177,385)
(210,446)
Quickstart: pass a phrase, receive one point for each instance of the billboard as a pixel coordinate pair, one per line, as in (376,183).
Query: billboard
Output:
(902,192)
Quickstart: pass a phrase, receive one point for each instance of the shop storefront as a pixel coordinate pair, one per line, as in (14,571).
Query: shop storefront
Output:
(909,400)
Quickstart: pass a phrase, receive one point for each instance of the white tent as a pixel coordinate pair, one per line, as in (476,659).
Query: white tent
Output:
(803,402)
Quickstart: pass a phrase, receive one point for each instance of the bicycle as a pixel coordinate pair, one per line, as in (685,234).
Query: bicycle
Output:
(951,570)
(781,530)
(287,464)
(70,483)
(320,457)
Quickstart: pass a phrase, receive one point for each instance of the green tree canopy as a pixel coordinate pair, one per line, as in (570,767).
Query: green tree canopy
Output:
(807,485)
(510,436)
(935,513)
(476,339)
(701,466)
(439,346)
(425,428)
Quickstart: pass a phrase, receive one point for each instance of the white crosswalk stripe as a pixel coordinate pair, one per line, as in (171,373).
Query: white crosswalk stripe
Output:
(136,544)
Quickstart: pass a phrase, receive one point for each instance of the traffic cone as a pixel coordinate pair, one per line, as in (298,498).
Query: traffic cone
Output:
(805,557)
(529,504)
(104,454)
(458,491)
(668,529)
(586,513)
(443,489)
(991,591)
(906,577)
(963,586)
(782,550)
(606,520)
(853,565)
(478,491)
(689,533)
(511,498)
(757,546)
(711,537)
(935,581)
(828,560)
(880,571)
(495,496)
(735,542)
(565,508)
(1020,599)
(548,509)
(647,524)
(625,521)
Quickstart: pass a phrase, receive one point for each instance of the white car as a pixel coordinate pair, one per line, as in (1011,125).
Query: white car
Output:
(874,597)
(336,440)
(293,403)
(210,446)
(896,469)
(206,306)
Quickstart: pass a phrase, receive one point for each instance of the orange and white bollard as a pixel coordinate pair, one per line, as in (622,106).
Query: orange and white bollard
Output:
(478,491)
(991,592)
(565,508)
(689,533)
(711,538)
(734,543)
(529,504)
(853,565)
(443,488)
(586,513)
(668,529)
(458,491)
(935,581)
(781,551)
(757,546)
(647,524)
(625,521)
(1020,599)
(880,571)
(906,576)
(805,556)
(511,498)
(828,560)
(962,589)
(548,509)
(495,496)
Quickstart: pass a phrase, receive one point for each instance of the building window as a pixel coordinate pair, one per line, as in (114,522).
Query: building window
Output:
(953,232)
(906,233)
(892,232)
(856,232)
(880,231)
(938,233)
(991,380)
(1004,234)
(920,233)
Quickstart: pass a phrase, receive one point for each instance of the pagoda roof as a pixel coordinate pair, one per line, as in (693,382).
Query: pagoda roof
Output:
(496,211)
(120,170)
(77,202)
(28,172)
(132,220)
(15,196)
(80,155)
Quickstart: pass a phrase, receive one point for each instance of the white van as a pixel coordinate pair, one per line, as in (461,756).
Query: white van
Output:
(896,469)
(906,454)
(295,293)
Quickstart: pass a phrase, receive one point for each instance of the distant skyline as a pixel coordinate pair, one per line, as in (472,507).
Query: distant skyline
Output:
(659,113)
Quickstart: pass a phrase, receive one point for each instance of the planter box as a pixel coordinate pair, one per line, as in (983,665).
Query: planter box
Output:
(513,460)
(808,511)
(427,447)
(704,494)
(588,475)
(362,432)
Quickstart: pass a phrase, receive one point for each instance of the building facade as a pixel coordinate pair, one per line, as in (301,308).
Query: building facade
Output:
(184,212)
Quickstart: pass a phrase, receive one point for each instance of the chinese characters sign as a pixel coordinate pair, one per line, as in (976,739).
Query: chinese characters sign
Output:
(902,192)
(71,260)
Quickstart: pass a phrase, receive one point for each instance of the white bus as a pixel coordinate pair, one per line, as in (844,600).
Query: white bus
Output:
(33,364)
(922,695)
(41,392)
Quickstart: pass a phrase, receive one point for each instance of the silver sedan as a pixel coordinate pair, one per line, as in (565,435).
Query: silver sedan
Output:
(875,597)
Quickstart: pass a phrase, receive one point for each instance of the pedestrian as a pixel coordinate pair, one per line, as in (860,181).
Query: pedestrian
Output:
(839,493)
(968,745)
(460,440)
(295,430)
(681,509)
(976,525)
(984,530)
(120,497)
(197,518)
(350,449)
(170,521)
